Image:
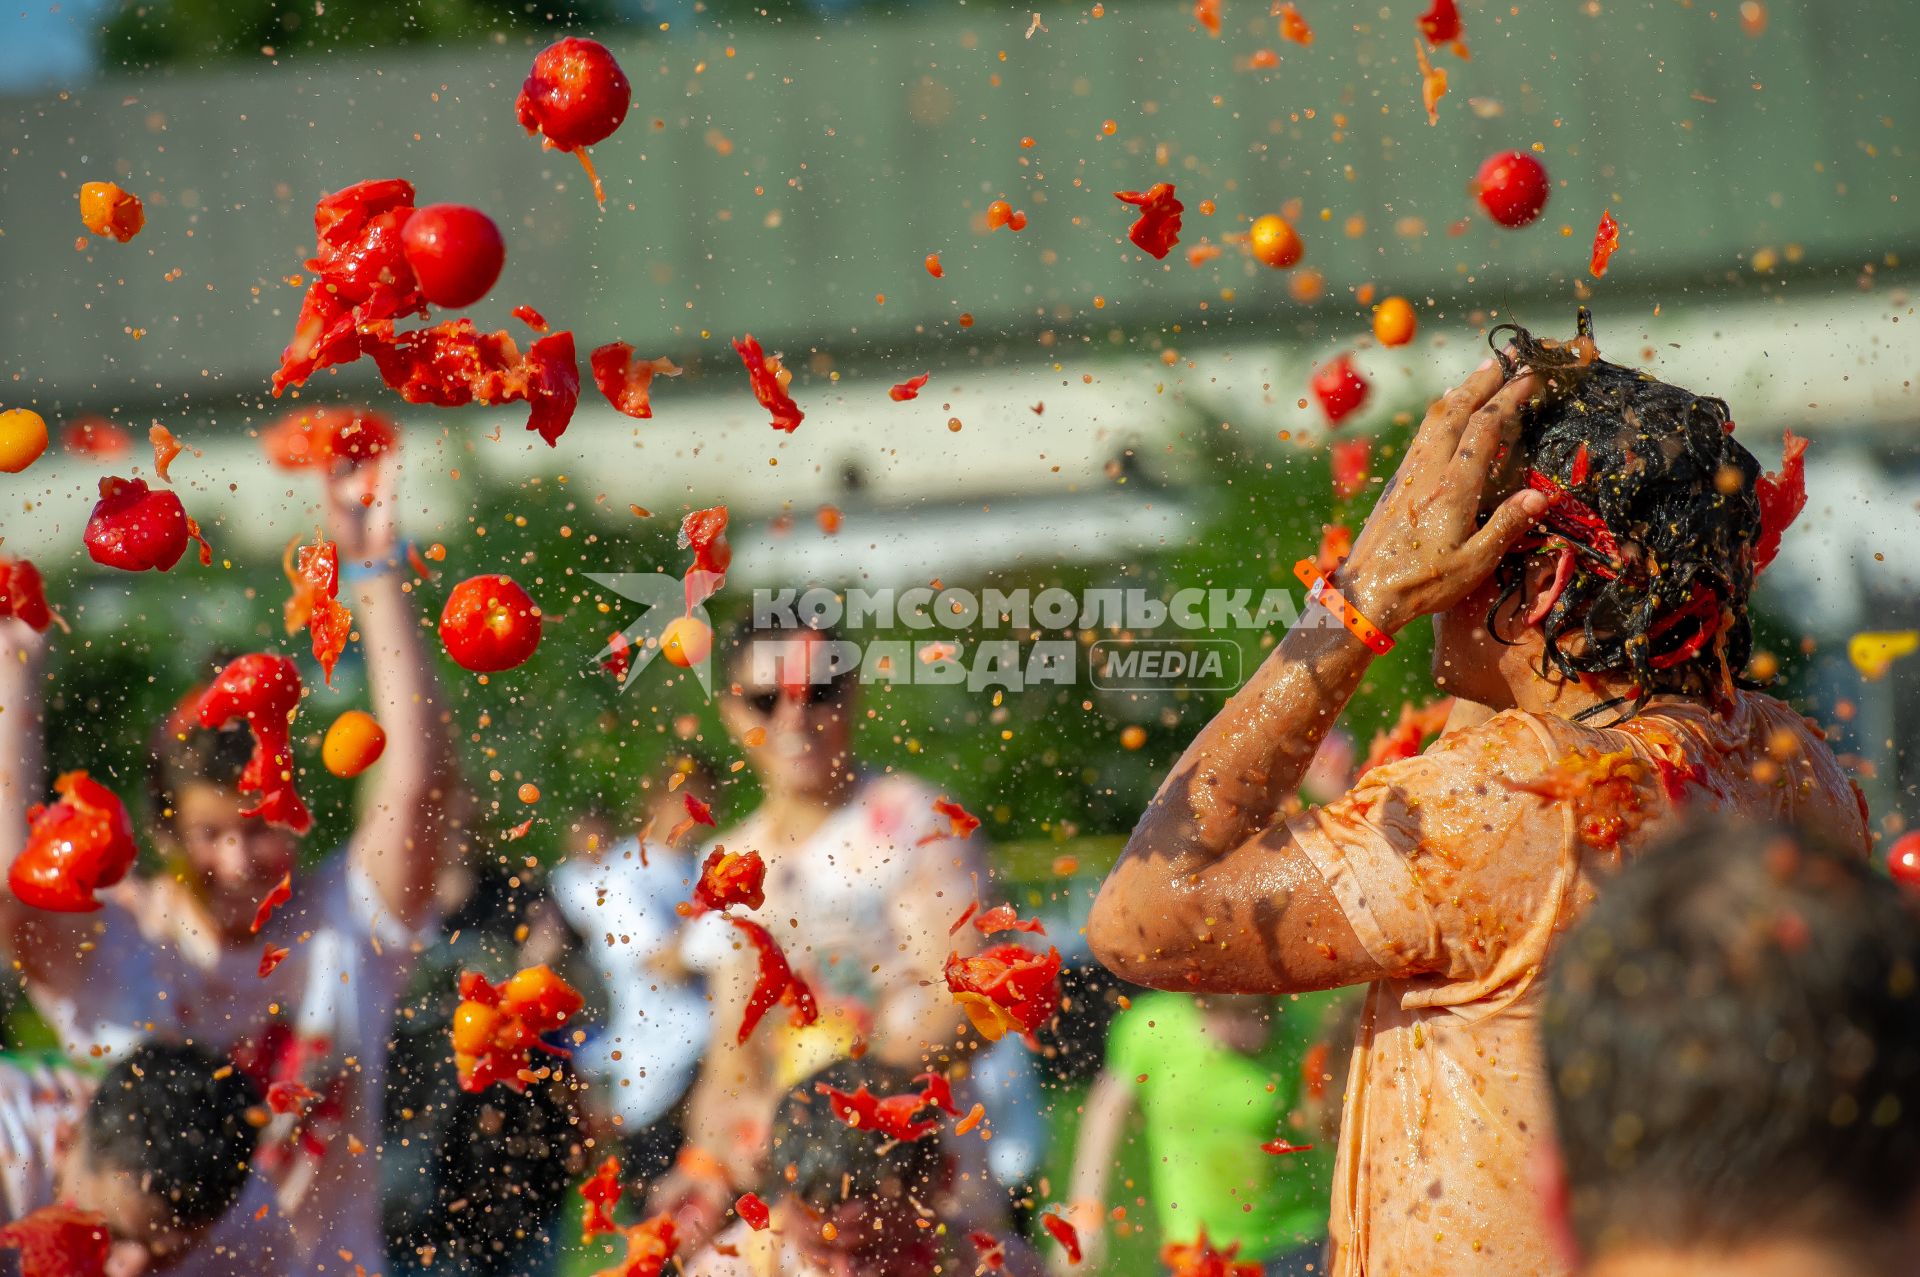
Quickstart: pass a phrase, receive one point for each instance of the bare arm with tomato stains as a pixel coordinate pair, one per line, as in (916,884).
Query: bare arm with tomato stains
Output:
(1211,894)
(400,836)
(33,938)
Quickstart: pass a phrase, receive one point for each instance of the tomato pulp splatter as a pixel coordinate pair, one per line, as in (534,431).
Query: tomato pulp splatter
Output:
(775,982)
(23,594)
(1157,229)
(1606,238)
(601,1192)
(496,1028)
(894,1116)
(628,382)
(262,690)
(1005,987)
(314,572)
(731,878)
(74,847)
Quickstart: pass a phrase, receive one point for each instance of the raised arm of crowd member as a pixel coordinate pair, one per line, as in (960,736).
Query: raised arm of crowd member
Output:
(1210,894)
(401,832)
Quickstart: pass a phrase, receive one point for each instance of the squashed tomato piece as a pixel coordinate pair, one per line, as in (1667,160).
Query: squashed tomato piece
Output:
(1207,14)
(1606,239)
(324,437)
(1339,387)
(1005,987)
(1004,918)
(1782,495)
(106,210)
(1199,1259)
(731,878)
(315,602)
(137,529)
(753,1211)
(1440,24)
(601,1192)
(576,95)
(1280,1147)
(490,624)
(1061,1229)
(262,690)
(271,957)
(453,363)
(1157,229)
(908,389)
(934,268)
(769,381)
(497,1027)
(775,982)
(705,533)
(455,252)
(650,1248)
(628,382)
(895,1117)
(361,277)
(1350,460)
(1294,27)
(59,1241)
(95,437)
(165,449)
(74,847)
(960,822)
(23,595)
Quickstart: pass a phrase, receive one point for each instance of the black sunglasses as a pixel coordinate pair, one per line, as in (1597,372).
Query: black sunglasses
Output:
(764,701)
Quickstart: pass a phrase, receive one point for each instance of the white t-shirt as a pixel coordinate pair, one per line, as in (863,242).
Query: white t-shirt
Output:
(39,1106)
(322,1018)
(657,1024)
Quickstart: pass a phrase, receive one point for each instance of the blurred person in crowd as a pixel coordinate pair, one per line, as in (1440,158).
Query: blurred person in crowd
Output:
(475,1185)
(1213,1079)
(621,896)
(863,880)
(1733,1041)
(179,953)
(159,1147)
(845,1201)
(1586,538)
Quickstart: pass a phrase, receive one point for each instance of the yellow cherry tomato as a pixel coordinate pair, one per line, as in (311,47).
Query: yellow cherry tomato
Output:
(23,437)
(1393,322)
(353,744)
(1273,241)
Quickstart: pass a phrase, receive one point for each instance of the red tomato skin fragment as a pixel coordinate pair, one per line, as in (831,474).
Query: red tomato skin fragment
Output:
(626,382)
(960,822)
(601,1192)
(763,374)
(1003,918)
(1294,27)
(1280,1147)
(1157,229)
(908,389)
(281,892)
(1606,238)
(1782,495)
(361,276)
(1339,387)
(1207,14)
(23,594)
(165,449)
(315,603)
(754,1211)
(1062,1230)
(1441,23)
(1350,460)
(775,982)
(272,957)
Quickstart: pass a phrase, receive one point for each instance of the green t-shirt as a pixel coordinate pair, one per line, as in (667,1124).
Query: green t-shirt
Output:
(1207,1109)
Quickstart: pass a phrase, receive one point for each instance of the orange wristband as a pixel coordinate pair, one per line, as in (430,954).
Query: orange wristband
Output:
(1320,590)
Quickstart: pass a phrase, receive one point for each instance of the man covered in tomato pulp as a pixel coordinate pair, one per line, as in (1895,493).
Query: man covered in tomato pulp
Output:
(292,973)
(1585,538)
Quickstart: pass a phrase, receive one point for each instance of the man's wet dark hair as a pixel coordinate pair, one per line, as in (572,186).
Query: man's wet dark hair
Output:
(1662,598)
(1733,1040)
(832,1161)
(174,1117)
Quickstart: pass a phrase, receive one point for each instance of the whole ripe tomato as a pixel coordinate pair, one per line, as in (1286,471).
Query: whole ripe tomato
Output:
(1513,188)
(576,94)
(23,437)
(686,641)
(489,624)
(1339,387)
(135,528)
(456,253)
(1394,322)
(353,743)
(1903,860)
(74,847)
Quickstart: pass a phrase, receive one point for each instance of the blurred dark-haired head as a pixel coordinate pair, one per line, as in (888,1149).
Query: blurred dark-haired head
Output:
(1651,534)
(789,693)
(193,778)
(163,1148)
(1733,1040)
(871,1188)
